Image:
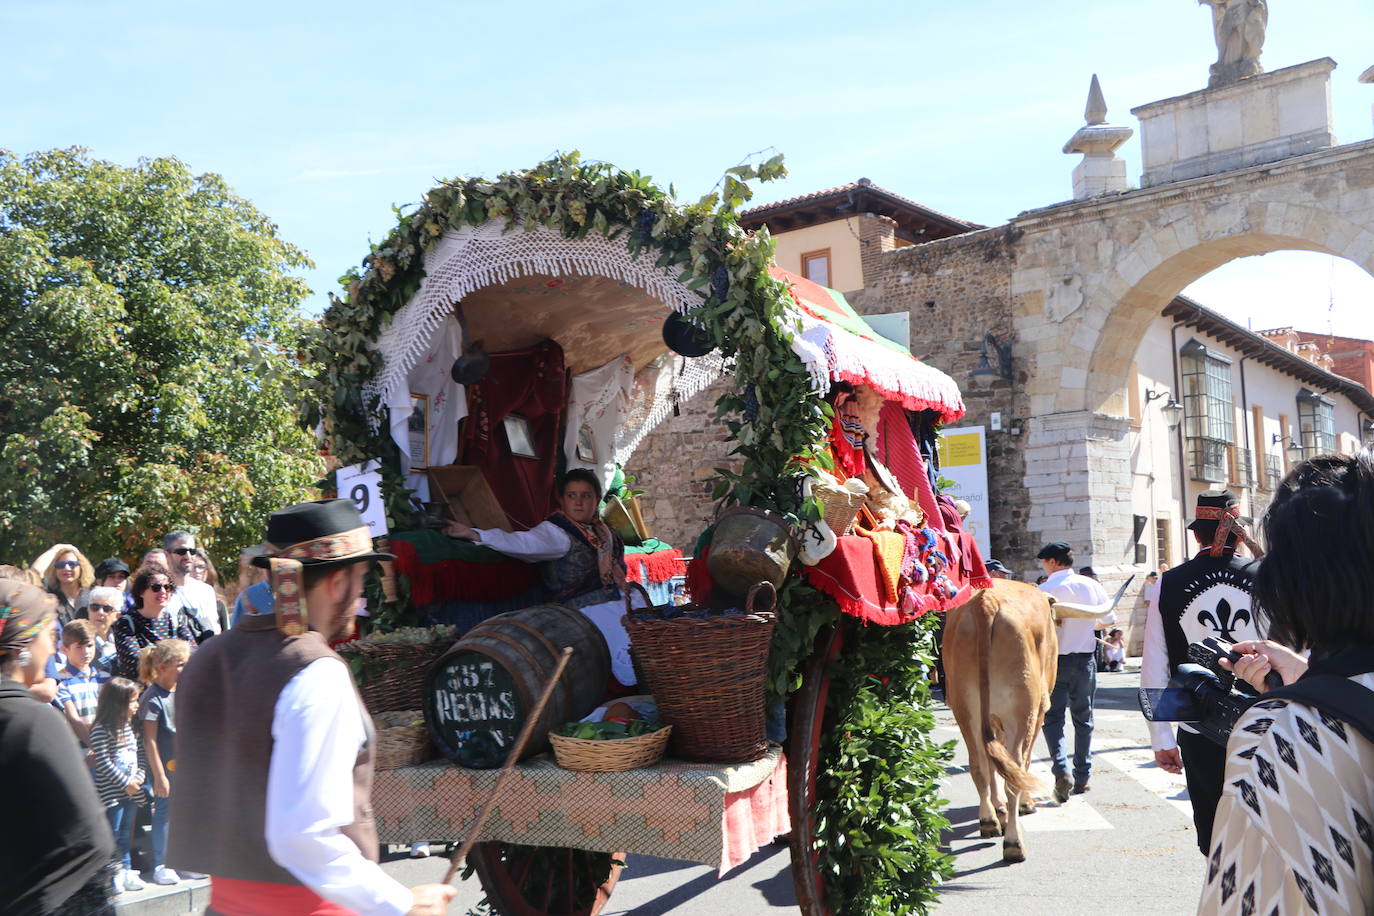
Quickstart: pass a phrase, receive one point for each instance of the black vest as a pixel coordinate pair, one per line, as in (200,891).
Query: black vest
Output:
(1207,597)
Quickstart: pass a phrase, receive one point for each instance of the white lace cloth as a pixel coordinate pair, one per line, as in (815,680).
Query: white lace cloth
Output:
(463,261)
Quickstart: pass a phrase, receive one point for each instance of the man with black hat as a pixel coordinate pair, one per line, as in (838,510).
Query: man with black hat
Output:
(1208,596)
(1076,681)
(275,749)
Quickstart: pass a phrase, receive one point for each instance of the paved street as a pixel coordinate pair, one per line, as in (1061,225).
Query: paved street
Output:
(1124,847)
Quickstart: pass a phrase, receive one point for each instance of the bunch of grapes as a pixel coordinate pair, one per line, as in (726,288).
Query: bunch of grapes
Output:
(751,403)
(720,283)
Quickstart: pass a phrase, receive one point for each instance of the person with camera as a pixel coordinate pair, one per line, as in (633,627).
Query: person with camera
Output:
(1206,597)
(1293,826)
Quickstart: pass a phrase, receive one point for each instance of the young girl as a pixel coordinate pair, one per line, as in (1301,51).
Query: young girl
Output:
(159,667)
(1115,645)
(118,776)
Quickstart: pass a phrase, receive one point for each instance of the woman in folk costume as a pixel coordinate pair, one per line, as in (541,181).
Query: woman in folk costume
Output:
(581,561)
(274,747)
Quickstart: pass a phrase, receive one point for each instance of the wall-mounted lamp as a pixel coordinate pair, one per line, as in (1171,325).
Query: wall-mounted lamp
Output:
(984,374)
(1173,411)
(1294,450)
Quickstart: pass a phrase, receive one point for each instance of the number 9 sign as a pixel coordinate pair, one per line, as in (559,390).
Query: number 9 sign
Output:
(363,484)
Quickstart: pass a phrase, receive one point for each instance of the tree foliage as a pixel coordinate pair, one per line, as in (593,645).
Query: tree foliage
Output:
(153,363)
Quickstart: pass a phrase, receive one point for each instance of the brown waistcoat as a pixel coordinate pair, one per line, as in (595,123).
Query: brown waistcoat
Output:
(226,699)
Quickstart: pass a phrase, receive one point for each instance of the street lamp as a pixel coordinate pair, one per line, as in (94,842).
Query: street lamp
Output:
(984,374)
(1173,411)
(1294,450)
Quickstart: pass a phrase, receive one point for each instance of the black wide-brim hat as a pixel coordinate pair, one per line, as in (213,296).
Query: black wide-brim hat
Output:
(320,535)
(1215,499)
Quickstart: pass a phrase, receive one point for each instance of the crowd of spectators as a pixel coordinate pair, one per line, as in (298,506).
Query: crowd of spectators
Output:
(119,642)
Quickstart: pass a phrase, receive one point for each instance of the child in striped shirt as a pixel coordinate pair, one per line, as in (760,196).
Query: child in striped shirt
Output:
(118,775)
(78,681)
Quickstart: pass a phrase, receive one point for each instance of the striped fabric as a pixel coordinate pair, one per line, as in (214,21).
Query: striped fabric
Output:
(82,690)
(116,762)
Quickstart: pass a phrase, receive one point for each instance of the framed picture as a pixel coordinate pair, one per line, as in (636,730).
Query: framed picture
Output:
(586,446)
(519,437)
(418,426)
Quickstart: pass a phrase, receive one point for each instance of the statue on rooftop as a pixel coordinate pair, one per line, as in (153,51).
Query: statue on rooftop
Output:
(1239,26)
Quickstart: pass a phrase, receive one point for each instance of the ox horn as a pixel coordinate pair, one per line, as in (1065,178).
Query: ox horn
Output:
(1066,609)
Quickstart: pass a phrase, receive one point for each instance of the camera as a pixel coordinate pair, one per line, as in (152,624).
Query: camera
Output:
(1200,693)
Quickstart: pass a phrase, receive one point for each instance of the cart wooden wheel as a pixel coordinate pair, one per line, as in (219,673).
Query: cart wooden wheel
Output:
(805,721)
(545,880)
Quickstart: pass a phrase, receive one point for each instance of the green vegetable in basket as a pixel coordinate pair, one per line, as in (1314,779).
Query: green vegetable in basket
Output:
(608,731)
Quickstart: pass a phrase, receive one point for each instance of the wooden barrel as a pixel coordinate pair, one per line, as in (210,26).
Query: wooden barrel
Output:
(482,689)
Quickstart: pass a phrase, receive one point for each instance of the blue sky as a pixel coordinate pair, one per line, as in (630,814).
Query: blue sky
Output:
(325,114)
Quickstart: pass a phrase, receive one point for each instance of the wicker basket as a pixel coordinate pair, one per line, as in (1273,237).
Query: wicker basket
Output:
(708,676)
(841,505)
(612,755)
(402,739)
(391,675)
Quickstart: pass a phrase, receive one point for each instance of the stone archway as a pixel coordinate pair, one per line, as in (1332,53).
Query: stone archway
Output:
(1089,276)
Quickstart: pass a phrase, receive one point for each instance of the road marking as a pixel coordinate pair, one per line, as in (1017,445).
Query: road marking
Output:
(1122,754)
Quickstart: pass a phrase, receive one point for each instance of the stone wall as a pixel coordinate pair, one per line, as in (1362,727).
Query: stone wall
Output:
(956,290)
(673,466)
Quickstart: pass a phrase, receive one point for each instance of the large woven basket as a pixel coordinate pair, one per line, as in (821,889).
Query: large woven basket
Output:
(390,674)
(840,505)
(402,739)
(708,675)
(613,755)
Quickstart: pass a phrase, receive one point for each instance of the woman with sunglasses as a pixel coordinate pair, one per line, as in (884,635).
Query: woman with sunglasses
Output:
(69,576)
(151,621)
(106,606)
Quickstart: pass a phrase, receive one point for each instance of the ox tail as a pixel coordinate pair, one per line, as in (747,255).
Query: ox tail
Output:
(1015,775)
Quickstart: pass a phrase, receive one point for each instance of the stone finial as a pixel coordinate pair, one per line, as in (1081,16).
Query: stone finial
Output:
(1096,110)
(1101,171)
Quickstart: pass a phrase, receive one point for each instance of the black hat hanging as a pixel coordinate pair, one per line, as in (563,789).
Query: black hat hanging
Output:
(474,364)
(685,337)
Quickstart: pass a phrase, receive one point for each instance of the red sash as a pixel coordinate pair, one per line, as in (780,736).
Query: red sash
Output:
(259,898)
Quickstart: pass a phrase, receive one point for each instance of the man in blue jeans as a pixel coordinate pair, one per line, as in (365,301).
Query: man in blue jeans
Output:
(1076,681)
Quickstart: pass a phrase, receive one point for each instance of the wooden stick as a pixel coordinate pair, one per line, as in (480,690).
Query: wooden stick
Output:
(509,765)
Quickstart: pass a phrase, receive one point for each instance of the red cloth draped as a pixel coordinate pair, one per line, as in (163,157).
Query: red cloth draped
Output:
(968,557)
(851,575)
(659,566)
(258,898)
(925,496)
(455,580)
(897,448)
(532,384)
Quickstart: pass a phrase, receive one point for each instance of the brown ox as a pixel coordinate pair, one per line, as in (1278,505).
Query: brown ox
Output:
(1001,658)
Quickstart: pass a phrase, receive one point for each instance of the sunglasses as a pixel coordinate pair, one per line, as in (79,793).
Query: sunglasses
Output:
(183,551)
(66,564)
(101,607)
(162,587)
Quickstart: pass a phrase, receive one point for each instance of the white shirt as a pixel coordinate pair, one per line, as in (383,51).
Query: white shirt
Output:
(198,599)
(1154,672)
(545,541)
(1077,634)
(317,732)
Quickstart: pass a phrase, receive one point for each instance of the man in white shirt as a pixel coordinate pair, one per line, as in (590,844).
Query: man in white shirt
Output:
(192,597)
(275,749)
(1076,682)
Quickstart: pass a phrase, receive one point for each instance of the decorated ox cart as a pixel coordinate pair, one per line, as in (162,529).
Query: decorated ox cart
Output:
(510,329)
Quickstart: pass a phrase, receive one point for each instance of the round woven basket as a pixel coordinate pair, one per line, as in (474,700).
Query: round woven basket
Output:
(402,739)
(841,506)
(612,755)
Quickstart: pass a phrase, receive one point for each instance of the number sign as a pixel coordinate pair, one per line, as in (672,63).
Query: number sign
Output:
(474,710)
(363,484)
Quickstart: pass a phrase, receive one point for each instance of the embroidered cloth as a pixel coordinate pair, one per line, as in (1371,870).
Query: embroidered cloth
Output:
(715,815)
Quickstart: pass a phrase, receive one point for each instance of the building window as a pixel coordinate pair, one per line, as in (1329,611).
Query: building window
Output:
(1209,411)
(1273,470)
(1316,423)
(815,266)
(1162,541)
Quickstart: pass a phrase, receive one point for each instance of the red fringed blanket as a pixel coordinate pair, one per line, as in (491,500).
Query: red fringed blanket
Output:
(459,580)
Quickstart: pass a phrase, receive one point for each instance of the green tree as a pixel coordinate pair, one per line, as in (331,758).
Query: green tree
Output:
(152,365)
